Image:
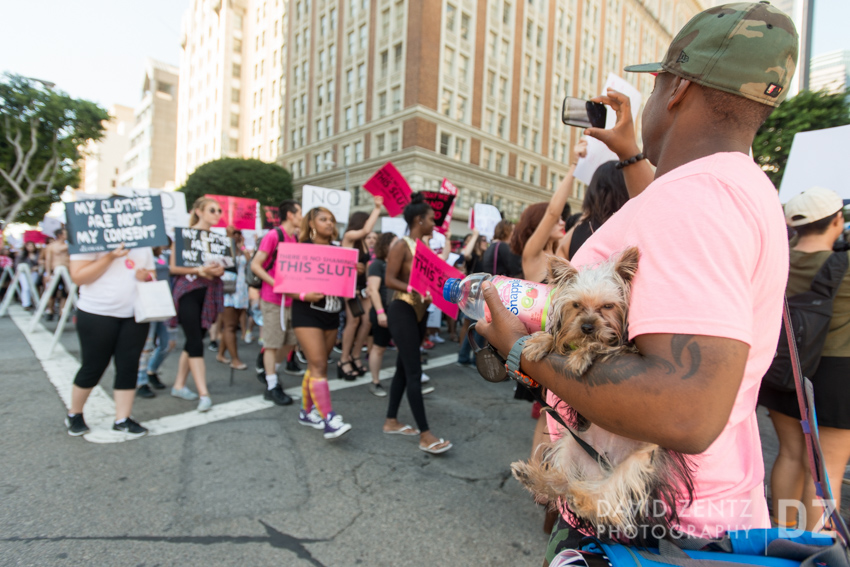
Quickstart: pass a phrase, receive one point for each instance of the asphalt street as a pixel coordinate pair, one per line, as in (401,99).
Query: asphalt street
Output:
(257,489)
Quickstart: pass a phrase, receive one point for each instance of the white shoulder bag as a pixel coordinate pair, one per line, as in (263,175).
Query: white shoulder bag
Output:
(153,302)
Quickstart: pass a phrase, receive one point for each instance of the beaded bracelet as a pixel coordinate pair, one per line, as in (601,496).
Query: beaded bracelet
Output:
(630,161)
(302,296)
(380,311)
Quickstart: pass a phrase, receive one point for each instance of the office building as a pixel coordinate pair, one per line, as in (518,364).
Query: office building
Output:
(231,85)
(100,168)
(470,90)
(150,161)
(831,71)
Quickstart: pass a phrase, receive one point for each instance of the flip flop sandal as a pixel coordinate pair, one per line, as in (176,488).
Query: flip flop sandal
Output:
(430,448)
(225,361)
(242,366)
(407,431)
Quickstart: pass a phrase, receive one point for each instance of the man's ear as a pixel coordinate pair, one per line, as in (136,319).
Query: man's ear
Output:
(680,88)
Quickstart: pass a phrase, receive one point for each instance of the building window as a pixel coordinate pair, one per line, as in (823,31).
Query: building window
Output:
(394,139)
(506,13)
(385,22)
(461,108)
(487,159)
(237,46)
(449,61)
(319,128)
(234,120)
(317,163)
(451,11)
(464,68)
(358,152)
(381,138)
(352,45)
(349,81)
(446,102)
(445,142)
(234,95)
(460,148)
(396,99)
(500,161)
(465,24)
(320,95)
(237,70)
(361,114)
(349,118)
(382,104)
(346,155)
(397,56)
(361,76)
(399,15)
(364,37)
(385,60)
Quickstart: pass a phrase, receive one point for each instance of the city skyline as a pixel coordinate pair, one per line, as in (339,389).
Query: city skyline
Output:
(119,37)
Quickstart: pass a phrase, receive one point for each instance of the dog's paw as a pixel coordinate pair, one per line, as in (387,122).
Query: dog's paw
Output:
(580,360)
(539,345)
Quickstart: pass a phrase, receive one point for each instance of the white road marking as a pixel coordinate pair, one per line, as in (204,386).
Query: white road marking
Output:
(61,367)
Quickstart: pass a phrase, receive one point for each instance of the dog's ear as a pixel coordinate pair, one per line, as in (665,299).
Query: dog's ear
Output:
(560,271)
(627,264)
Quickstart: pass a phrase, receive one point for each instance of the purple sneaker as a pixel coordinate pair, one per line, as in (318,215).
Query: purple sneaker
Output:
(312,419)
(335,427)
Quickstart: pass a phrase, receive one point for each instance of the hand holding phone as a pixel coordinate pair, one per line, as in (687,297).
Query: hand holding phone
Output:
(583,113)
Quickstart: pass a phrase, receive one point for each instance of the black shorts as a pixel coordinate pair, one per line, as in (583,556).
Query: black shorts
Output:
(380,335)
(59,292)
(831,384)
(305,316)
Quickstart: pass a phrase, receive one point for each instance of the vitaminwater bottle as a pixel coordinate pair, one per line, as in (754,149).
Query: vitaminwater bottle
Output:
(527,300)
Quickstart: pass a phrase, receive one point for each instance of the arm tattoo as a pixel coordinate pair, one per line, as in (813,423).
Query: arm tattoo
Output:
(625,367)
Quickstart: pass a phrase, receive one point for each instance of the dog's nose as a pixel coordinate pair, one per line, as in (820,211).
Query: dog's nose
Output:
(587,328)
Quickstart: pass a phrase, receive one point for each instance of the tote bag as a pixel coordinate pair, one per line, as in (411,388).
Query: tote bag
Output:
(153,302)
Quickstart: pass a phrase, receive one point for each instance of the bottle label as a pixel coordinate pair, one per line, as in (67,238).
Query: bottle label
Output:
(527,300)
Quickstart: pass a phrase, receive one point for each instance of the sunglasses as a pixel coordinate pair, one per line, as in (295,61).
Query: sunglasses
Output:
(215,211)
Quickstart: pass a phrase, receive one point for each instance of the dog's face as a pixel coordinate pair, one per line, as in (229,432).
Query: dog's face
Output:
(591,305)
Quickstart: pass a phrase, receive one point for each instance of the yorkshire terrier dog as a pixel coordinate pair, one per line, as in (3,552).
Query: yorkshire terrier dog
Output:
(629,486)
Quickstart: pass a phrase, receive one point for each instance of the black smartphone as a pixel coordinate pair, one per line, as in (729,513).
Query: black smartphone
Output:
(583,113)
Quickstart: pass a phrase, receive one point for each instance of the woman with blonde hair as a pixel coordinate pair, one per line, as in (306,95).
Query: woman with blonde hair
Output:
(315,319)
(198,295)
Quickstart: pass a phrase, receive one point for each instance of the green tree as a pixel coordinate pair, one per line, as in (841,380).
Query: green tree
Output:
(42,135)
(268,183)
(809,110)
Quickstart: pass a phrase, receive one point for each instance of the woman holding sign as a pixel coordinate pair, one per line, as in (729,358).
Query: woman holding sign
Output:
(198,294)
(315,318)
(357,323)
(406,320)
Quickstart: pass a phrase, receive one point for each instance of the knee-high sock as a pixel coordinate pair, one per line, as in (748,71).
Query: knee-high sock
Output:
(306,398)
(321,394)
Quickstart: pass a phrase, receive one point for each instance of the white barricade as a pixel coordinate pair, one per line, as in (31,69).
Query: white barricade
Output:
(22,270)
(70,291)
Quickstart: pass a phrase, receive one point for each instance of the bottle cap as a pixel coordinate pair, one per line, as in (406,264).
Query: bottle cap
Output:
(447,289)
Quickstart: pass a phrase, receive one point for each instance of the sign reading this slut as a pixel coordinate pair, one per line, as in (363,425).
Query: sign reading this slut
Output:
(100,225)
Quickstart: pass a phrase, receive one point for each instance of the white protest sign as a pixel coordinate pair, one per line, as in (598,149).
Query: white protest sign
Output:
(397,226)
(337,202)
(173,205)
(597,152)
(486,217)
(50,225)
(817,159)
(438,241)
(453,258)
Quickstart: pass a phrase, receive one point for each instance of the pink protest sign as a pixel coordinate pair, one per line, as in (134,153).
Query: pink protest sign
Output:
(35,236)
(449,188)
(391,185)
(308,268)
(236,211)
(428,273)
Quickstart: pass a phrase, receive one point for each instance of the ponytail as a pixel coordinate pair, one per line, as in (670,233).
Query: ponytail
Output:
(199,204)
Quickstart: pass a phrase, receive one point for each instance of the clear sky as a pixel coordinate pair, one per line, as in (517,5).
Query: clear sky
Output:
(95,49)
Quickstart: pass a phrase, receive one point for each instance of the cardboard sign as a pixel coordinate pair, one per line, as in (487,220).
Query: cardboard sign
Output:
(194,247)
(448,188)
(441,203)
(597,152)
(337,202)
(429,273)
(271,217)
(308,268)
(391,185)
(237,211)
(484,218)
(35,236)
(817,160)
(100,225)
(173,205)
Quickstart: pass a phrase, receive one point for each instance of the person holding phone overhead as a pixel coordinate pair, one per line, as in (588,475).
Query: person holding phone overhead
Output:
(107,329)
(198,295)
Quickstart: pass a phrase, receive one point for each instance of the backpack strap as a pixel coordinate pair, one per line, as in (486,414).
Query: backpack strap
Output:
(495,257)
(273,255)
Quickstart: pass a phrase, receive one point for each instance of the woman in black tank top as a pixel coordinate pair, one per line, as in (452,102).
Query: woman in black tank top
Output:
(357,326)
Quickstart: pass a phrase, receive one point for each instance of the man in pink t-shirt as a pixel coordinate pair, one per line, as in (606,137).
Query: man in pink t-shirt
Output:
(706,302)
(277,341)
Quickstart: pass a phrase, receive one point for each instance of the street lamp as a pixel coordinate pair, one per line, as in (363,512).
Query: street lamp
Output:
(332,163)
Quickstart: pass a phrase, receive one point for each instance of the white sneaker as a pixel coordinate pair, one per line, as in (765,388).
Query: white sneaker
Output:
(312,419)
(425,378)
(335,427)
(436,338)
(184,393)
(427,390)
(205,404)
(248,338)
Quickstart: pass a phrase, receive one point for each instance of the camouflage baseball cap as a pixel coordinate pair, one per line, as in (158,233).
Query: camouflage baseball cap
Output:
(746,48)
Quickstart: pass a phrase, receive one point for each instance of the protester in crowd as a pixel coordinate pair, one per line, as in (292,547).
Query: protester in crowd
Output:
(315,318)
(381,297)
(473,252)
(235,303)
(6,262)
(706,330)
(56,254)
(278,340)
(605,195)
(162,337)
(499,260)
(108,330)
(370,241)
(198,297)
(817,215)
(357,324)
(28,255)
(406,322)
